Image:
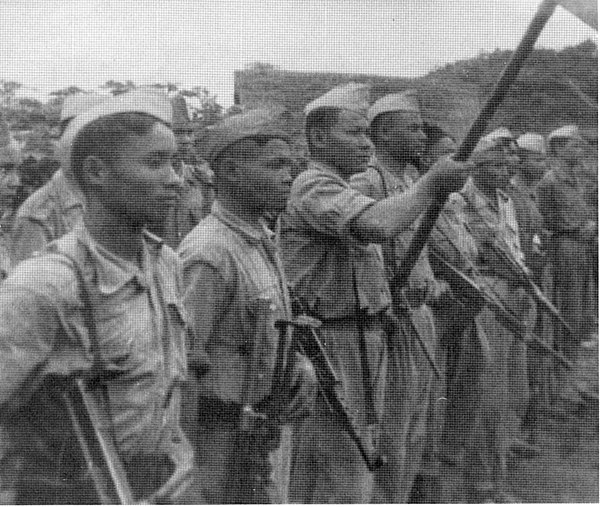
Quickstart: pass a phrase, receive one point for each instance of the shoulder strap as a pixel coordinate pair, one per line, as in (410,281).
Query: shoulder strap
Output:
(99,364)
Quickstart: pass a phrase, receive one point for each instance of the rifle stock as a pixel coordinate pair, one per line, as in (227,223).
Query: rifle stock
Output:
(93,429)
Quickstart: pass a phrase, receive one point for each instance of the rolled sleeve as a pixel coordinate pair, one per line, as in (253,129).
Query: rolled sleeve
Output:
(328,203)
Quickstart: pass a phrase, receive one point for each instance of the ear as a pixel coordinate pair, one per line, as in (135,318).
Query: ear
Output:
(95,171)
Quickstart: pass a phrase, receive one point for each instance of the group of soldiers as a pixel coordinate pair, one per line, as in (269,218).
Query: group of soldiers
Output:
(180,291)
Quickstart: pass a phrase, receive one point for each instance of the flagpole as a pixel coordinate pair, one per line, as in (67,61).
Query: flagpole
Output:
(524,49)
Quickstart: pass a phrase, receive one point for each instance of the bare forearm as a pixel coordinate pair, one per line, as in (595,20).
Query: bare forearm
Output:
(393,215)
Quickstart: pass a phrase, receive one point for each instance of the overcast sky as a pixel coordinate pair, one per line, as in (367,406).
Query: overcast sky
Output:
(48,45)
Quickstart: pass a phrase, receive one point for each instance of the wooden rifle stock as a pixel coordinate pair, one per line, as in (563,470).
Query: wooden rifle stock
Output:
(93,429)
(476,130)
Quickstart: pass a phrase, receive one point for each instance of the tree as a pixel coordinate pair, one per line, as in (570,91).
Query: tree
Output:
(7,91)
(70,90)
(116,87)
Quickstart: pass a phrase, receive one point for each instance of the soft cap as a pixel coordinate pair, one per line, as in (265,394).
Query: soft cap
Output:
(532,142)
(350,96)
(405,101)
(254,123)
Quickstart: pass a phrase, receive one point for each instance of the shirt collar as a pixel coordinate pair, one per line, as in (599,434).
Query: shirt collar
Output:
(111,271)
(250,232)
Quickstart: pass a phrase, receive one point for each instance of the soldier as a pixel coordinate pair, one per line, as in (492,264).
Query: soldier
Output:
(55,208)
(197,193)
(327,236)
(573,230)
(396,130)
(491,218)
(103,300)
(231,263)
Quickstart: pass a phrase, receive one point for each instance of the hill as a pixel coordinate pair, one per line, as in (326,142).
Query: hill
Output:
(553,89)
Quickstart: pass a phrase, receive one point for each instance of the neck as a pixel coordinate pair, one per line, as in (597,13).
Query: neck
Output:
(110,230)
(323,160)
(240,209)
(395,166)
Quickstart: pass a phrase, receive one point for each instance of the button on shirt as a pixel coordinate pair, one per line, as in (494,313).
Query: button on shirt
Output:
(229,264)
(47,214)
(140,328)
(321,254)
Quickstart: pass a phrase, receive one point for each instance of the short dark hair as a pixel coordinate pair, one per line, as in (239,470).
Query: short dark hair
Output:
(323,118)
(105,137)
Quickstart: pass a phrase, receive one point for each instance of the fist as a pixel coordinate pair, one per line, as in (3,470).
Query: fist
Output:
(449,176)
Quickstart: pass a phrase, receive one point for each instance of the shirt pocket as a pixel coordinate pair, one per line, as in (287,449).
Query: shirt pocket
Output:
(124,326)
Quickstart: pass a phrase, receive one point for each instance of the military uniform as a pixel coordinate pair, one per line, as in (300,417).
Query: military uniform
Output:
(411,379)
(505,391)
(341,280)
(462,336)
(230,264)
(562,204)
(140,324)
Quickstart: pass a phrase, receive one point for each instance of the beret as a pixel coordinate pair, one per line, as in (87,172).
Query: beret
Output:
(566,132)
(532,142)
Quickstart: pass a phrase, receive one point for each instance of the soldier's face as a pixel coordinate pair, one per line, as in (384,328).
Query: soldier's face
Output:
(265,180)
(572,150)
(141,184)
(349,148)
(404,137)
(533,164)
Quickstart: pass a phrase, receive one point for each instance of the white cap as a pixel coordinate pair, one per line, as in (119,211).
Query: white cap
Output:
(493,139)
(152,102)
(566,132)
(78,103)
(405,101)
(351,96)
(532,142)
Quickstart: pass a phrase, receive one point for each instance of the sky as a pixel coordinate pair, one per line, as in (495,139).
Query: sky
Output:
(51,44)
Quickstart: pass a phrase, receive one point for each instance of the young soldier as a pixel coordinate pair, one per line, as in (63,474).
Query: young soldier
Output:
(326,236)
(120,156)
(231,265)
(396,130)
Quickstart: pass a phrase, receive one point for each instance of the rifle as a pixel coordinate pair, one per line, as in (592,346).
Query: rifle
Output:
(522,276)
(504,316)
(92,426)
(308,343)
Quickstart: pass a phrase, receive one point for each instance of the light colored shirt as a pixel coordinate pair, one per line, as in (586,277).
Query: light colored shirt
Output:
(228,265)
(140,328)
(378,182)
(327,265)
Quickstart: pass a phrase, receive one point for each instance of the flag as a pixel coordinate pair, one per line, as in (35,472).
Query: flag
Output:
(585,10)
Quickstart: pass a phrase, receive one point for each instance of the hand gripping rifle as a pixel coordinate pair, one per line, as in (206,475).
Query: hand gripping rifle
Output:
(308,343)
(467,146)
